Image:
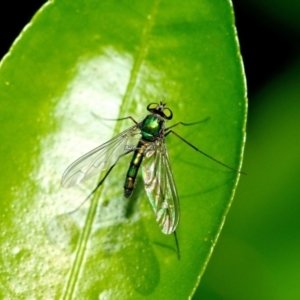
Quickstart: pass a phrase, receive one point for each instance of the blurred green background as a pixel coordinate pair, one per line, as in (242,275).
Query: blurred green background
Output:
(257,255)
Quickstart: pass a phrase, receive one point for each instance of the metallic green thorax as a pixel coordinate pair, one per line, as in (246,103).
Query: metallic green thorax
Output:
(151,128)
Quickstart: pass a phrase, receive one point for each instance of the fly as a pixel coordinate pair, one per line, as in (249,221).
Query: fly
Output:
(150,153)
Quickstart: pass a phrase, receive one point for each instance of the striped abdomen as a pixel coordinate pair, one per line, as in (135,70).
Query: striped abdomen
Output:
(135,163)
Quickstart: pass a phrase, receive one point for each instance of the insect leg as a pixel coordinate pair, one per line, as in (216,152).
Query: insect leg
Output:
(100,183)
(177,245)
(120,119)
(187,124)
(205,154)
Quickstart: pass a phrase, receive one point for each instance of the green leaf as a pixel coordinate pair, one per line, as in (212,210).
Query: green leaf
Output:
(78,59)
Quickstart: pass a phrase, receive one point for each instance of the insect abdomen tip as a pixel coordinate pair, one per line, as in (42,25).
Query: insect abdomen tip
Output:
(127,193)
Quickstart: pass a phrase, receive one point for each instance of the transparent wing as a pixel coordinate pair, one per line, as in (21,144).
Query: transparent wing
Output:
(100,158)
(160,187)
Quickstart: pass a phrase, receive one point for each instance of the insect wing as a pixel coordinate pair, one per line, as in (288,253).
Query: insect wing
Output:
(99,159)
(160,187)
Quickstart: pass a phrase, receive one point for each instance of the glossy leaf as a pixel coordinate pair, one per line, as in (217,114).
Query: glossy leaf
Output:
(82,59)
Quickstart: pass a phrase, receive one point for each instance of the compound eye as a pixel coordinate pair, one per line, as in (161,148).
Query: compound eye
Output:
(152,107)
(168,114)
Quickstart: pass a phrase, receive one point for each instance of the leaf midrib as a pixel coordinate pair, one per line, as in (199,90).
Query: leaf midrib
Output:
(78,262)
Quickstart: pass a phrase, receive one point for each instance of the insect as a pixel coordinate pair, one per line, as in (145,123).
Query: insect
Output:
(151,153)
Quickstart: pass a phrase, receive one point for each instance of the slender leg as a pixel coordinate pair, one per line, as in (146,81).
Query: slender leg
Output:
(177,244)
(120,119)
(100,182)
(187,124)
(205,154)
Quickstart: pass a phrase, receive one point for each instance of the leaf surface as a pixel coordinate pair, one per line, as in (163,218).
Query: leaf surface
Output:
(81,59)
